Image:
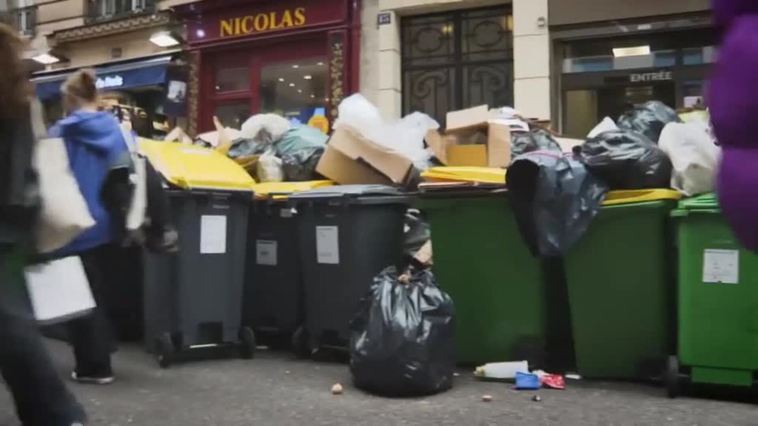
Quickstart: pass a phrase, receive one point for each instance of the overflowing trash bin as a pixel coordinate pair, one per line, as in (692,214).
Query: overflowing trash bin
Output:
(193,297)
(496,284)
(717,293)
(619,278)
(272,304)
(348,234)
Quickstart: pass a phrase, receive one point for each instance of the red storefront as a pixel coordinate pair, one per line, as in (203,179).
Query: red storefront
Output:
(290,57)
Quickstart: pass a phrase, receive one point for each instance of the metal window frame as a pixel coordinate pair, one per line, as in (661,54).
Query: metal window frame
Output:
(458,63)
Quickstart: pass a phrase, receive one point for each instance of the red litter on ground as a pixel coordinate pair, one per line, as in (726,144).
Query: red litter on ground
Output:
(553,381)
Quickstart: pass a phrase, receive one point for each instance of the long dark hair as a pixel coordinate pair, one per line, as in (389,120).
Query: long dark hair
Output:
(14,85)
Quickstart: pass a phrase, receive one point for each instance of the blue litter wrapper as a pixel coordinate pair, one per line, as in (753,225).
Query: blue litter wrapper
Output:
(527,381)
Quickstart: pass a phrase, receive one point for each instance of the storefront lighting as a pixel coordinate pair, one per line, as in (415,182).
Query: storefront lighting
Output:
(321,64)
(281,79)
(200,33)
(292,84)
(164,39)
(621,52)
(46,59)
(313,96)
(308,77)
(296,66)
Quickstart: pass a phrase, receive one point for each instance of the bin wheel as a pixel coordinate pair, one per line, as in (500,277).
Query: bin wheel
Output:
(247,343)
(301,344)
(672,377)
(164,350)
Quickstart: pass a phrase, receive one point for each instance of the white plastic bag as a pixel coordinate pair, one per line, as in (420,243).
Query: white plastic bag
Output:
(605,125)
(59,290)
(269,168)
(63,211)
(405,136)
(265,129)
(694,156)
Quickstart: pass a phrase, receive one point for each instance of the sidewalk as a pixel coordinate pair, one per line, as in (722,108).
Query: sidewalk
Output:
(275,389)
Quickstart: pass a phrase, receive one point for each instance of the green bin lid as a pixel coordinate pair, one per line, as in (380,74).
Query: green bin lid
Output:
(706,203)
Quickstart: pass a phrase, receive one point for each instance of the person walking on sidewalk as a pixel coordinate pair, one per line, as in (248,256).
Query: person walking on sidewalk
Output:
(40,396)
(96,148)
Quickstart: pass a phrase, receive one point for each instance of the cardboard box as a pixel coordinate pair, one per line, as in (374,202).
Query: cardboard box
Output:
(350,158)
(473,138)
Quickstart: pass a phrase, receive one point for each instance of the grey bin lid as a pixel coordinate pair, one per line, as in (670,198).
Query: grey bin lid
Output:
(359,194)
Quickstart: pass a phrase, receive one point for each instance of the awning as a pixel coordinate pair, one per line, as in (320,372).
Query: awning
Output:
(147,72)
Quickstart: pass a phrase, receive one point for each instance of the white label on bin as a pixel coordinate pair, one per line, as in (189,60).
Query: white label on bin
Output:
(327,245)
(721,266)
(213,234)
(265,252)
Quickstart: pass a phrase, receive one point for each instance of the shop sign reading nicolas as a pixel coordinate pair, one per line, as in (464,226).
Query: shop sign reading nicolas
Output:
(262,22)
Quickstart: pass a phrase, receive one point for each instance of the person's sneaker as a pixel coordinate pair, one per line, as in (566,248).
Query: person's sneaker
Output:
(92,380)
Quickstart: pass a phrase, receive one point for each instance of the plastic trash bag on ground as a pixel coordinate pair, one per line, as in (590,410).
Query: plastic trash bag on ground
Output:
(535,140)
(405,136)
(694,156)
(402,337)
(626,159)
(269,168)
(648,118)
(554,199)
(265,129)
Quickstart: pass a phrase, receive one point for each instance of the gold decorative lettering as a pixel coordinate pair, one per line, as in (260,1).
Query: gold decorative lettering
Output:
(247,23)
(299,16)
(226,27)
(261,22)
(287,19)
(272,17)
(237,26)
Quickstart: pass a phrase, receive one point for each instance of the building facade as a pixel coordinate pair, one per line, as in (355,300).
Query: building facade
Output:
(440,55)
(609,54)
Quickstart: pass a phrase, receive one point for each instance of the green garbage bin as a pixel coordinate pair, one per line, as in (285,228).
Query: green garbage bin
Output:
(717,301)
(496,284)
(620,287)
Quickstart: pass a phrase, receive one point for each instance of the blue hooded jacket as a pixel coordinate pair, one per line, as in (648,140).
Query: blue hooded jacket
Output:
(95,144)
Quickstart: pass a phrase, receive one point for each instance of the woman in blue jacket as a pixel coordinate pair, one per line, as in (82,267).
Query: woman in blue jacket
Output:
(96,147)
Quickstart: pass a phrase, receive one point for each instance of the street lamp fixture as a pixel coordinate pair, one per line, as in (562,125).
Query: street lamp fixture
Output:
(164,39)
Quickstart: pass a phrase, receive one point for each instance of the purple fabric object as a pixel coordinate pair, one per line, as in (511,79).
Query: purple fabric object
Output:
(733,102)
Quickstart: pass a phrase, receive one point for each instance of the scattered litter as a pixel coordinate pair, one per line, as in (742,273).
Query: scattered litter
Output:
(527,381)
(501,370)
(537,398)
(487,398)
(337,389)
(573,376)
(553,381)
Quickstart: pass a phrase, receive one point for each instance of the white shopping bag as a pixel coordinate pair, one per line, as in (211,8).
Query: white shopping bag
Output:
(59,290)
(694,156)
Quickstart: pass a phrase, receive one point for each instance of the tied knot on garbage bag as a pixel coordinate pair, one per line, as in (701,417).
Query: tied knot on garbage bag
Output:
(649,119)
(402,336)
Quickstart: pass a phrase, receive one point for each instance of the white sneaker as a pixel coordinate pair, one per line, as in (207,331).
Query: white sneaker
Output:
(88,380)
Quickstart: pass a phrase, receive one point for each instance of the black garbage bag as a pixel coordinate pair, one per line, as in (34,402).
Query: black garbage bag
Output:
(535,140)
(301,165)
(626,159)
(554,199)
(649,119)
(402,337)
(242,147)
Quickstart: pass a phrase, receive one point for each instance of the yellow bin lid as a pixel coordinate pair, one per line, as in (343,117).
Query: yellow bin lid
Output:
(465,174)
(194,167)
(639,196)
(280,190)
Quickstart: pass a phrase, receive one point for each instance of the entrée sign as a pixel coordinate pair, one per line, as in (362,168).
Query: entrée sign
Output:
(262,22)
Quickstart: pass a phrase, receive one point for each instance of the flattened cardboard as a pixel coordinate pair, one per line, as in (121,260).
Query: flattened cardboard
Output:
(454,147)
(352,159)
(468,118)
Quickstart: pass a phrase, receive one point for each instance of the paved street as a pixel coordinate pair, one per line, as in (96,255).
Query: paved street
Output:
(275,389)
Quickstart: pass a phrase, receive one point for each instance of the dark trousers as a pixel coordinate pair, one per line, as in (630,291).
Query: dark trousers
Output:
(92,336)
(40,395)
